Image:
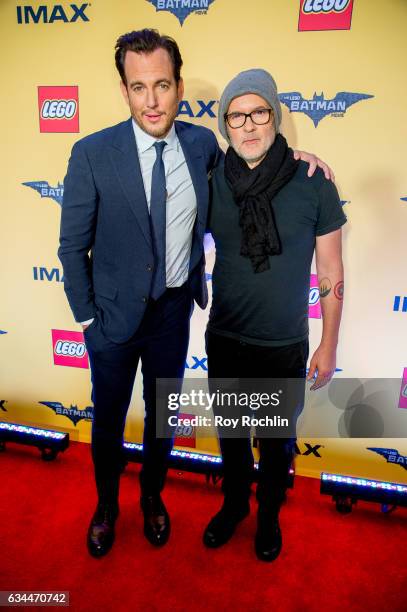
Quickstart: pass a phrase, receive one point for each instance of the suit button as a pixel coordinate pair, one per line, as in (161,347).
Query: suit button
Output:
(144,299)
(149,268)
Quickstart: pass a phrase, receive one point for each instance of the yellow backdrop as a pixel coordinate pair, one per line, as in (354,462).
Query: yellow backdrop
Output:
(45,46)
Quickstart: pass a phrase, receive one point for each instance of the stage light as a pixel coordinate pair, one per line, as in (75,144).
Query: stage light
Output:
(49,442)
(346,490)
(188,461)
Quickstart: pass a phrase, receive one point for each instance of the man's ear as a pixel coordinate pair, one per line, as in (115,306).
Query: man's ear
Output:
(123,89)
(180,89)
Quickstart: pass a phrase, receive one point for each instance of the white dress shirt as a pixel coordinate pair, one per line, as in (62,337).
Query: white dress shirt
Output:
(181,200)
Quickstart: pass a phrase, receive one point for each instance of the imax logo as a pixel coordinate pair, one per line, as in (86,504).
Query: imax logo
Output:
(43,274)
(48,14)
(399,303)
(204,108)
(309,450)
(197,363)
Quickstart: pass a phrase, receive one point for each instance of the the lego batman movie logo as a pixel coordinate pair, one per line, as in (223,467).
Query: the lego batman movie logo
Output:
(73,413)
(320,107)
(391,455)
(46,190)
(182,8)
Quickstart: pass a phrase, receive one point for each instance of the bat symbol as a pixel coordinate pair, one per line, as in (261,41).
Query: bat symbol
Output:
(319,107)
(46,191)
(181,12)
(390,452)
(72,413)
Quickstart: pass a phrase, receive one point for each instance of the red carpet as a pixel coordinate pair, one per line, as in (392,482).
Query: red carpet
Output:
(329,561)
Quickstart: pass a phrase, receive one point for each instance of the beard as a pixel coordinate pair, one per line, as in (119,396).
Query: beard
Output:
(158,130)
(255,157)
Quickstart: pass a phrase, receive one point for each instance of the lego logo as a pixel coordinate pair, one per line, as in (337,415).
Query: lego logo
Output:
(58,109)
(325,6)
(313,296)
(70,349)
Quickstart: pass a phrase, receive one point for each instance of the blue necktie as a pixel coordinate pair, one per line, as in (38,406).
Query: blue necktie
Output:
(158,220)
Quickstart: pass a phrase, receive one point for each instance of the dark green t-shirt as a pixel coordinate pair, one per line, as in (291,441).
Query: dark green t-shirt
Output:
(269,308)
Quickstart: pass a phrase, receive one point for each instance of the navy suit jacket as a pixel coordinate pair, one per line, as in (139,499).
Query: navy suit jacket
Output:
(105,243)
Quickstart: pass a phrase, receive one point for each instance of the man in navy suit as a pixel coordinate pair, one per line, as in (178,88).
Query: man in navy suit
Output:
(136,199)
(134,294)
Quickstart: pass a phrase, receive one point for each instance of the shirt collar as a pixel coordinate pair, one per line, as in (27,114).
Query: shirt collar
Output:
(145,141)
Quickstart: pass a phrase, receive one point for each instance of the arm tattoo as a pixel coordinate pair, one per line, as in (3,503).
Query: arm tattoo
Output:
(338,290)
(324,287)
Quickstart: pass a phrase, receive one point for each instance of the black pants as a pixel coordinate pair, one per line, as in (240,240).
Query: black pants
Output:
(161,343)
(229,358)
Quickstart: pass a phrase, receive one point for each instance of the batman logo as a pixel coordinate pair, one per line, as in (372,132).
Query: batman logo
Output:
(391,455)
(319,107)
(72,413)
(181,8)
(46,191)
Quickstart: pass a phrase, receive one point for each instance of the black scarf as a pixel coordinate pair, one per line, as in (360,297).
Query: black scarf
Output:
(253,191)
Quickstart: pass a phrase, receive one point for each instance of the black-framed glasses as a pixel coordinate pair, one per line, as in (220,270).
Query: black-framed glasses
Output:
(259,116)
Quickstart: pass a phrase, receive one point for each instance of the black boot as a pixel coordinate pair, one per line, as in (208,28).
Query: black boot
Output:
(268,539)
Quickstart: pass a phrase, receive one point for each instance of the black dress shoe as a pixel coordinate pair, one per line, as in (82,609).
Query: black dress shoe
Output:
(101,529)
(223,525)
(268,540)
(156,520)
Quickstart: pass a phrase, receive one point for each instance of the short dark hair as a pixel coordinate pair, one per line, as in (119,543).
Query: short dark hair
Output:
(147,41)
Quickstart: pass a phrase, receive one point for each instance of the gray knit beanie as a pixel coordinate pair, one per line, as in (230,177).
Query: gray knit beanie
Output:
(256,81)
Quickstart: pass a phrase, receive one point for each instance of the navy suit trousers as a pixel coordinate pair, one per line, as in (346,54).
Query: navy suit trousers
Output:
(161,344)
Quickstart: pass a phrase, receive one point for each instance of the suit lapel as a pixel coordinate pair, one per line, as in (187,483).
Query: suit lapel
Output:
(125,159)
(126,162)
(197,169)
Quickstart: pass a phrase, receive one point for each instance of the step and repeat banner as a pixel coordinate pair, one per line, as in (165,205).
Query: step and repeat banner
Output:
(339,66)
